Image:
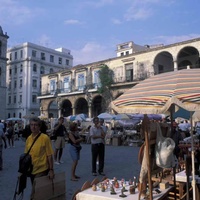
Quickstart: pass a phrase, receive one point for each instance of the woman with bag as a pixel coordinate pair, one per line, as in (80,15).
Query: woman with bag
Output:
(41,152)
(74,149)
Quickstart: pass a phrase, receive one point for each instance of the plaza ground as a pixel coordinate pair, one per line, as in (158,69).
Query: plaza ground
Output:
(120,162)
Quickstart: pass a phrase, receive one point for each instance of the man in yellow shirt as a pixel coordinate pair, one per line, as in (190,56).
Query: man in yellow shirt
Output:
(41,152)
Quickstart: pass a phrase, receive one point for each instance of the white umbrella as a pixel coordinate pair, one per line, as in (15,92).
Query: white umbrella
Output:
(14,119)
(121,117)
(106,116)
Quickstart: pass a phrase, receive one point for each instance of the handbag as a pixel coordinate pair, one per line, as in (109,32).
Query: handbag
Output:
(164,150)
(78,147)
(25,161)
(51,189)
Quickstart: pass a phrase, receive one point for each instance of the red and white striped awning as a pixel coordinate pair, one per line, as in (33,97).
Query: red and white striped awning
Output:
(156,94)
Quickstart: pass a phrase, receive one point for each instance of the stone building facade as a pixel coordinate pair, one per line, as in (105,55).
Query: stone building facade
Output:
(75,91)
(3,48)
(26,63)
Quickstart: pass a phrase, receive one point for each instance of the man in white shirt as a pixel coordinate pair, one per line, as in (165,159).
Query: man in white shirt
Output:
(98,147)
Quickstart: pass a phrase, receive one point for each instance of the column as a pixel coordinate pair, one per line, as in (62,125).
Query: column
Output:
(175,65)
(89,111)
(73,111)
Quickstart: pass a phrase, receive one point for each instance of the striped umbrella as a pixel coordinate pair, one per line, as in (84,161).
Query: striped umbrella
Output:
(156,95)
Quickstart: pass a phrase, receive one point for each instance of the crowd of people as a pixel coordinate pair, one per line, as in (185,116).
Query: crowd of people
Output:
(45,153)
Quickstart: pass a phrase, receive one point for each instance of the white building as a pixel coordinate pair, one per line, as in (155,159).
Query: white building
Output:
(26,63)
(3,49)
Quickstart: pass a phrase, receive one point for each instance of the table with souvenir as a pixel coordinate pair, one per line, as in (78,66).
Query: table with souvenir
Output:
(117,189)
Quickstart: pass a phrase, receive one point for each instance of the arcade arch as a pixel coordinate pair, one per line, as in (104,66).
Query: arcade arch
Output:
(66,108)
(98,105)
(53,109)
(163,62)
(81,106)
(188,56)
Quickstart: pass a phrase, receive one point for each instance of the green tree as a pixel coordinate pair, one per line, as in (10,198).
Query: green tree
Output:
(106,80)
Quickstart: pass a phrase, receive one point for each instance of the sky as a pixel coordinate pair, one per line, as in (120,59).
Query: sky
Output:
(91,29)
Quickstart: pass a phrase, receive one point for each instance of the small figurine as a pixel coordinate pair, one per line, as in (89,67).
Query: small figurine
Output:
(122,193)
(124,189)
(132,189)
(116,184)
(94,187)
(102,188)
(112,190)
(135,185)
(130,182)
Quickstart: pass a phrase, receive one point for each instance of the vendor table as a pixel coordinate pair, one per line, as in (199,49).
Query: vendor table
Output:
(182,179)
(89,194)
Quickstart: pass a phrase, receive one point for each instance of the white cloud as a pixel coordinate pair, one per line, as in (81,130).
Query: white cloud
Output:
(174,39)
(116,21)
(44,40)
(138,13)
(13,12)
(92,52)
(99,3)
(143,9)
(72,21)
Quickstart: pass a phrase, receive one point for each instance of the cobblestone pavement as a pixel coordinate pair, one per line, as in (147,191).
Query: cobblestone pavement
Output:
(120,162)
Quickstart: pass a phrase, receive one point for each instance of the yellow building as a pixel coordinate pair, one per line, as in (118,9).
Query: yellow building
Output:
(75,90)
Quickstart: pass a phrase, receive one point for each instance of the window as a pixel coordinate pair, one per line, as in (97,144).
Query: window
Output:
(20,98)
(81,81)
(15,69)
(15,84)
(21,68)
(9,100)
(34,84)
(66,84)
(41,70)
(127,52)
(51,58)
(67,62)
(10,71)
(34,53)
(51,70)
(96,78)
(129,72)
(52,86)
(42,56)
(15,99)
(20,115)
(10,56)
(20,83)
(34,68)
(21,53)
(34,99)
(60,61)
(16,55)
(122,53)
(9,86)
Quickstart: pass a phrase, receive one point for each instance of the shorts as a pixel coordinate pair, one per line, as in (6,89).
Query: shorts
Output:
(60,142)
(74,153)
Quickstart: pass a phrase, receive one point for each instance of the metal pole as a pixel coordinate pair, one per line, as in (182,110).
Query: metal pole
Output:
(192,155)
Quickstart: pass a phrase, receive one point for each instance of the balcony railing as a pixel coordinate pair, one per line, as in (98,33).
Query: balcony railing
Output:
(83,88)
